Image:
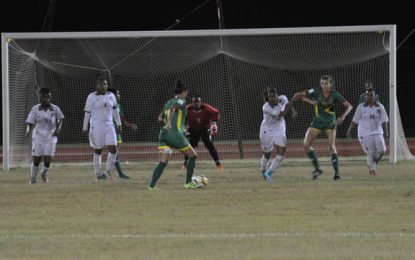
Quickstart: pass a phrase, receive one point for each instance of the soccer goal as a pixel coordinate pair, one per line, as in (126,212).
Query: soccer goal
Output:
(230,69)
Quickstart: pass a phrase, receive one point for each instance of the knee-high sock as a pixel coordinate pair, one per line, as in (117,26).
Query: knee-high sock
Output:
(157,173)
(45,170)
(335,163)
(313,157)
(34,170)
(110,161)
(276,163)
(117,164)
(97,163)
(46,167)
(191,164)
(264,164)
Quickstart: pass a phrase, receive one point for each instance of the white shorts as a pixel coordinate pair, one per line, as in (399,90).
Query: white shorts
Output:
(102,136)
(45,149)
(269,140)
(373,143)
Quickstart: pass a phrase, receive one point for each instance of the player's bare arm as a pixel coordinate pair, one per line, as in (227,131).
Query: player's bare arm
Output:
(348,109)
(29,129)
(86,123)
(128,124)
(385,129)
(58,127)
(351,127)
(287,109)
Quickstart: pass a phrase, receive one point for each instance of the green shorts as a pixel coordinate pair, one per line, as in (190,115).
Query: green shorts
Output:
(173,139)
(323,124)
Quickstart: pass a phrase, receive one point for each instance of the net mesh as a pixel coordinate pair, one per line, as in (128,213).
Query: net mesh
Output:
(228,71)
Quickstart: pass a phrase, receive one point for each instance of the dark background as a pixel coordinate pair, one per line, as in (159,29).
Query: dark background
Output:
(59,16)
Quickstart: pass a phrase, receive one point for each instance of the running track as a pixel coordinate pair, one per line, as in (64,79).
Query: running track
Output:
(69,153)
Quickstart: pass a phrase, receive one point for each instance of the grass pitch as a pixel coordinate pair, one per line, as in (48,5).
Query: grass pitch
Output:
(238,216)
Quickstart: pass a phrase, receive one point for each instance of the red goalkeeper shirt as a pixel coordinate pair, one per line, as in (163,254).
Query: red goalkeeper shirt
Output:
(202,118)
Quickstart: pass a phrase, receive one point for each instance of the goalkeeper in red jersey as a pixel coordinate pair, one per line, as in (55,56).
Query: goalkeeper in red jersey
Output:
(201,124)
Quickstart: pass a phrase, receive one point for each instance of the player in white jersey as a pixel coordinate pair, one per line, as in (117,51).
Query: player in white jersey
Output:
(272,131)
(372,121)
(101,113)
(44,122)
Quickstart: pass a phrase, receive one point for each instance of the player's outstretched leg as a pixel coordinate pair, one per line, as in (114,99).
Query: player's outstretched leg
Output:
(158,171)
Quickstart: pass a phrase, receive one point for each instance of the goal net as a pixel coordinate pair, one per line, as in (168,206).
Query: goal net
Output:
(229,69)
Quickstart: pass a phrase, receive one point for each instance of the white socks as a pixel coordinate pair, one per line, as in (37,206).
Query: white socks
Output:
(97,163)
(110,161)
(371,161)
(276,163)
(45,170)
(34,171)
(264,164)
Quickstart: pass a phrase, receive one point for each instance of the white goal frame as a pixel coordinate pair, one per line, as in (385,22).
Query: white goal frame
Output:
(393,110)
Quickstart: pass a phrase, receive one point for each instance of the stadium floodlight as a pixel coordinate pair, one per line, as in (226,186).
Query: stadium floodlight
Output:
(228,68)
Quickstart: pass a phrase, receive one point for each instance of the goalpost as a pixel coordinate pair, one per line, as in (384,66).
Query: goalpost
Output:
(229,68)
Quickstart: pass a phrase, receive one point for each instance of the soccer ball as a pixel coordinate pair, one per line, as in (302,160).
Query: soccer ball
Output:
(200,180)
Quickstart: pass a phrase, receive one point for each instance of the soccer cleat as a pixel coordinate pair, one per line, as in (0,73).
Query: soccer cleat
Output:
(152,188)
(373,173)
(268,176)
(336,177)
(102,176)
(99,177)
(32,181)
(191,185)
(44,178)
(219,167)
(123,176)
(316,174)
(107,175)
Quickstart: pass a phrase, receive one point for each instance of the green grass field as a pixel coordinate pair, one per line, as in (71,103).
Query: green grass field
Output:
(238,216)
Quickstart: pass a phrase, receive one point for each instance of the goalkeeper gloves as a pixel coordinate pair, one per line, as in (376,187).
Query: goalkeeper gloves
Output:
(213,129)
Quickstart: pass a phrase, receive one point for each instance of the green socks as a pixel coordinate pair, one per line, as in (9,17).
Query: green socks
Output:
(118,165)
(156,174)
(335,162)
(191,163)
(313,157)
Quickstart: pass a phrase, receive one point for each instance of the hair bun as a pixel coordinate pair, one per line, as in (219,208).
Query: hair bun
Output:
(179,83)
(180,86)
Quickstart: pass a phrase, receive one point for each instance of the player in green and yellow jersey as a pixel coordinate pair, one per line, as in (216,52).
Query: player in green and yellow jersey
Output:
(172,118)
(325,119)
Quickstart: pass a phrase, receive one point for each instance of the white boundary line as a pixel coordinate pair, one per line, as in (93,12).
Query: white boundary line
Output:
(209,236)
